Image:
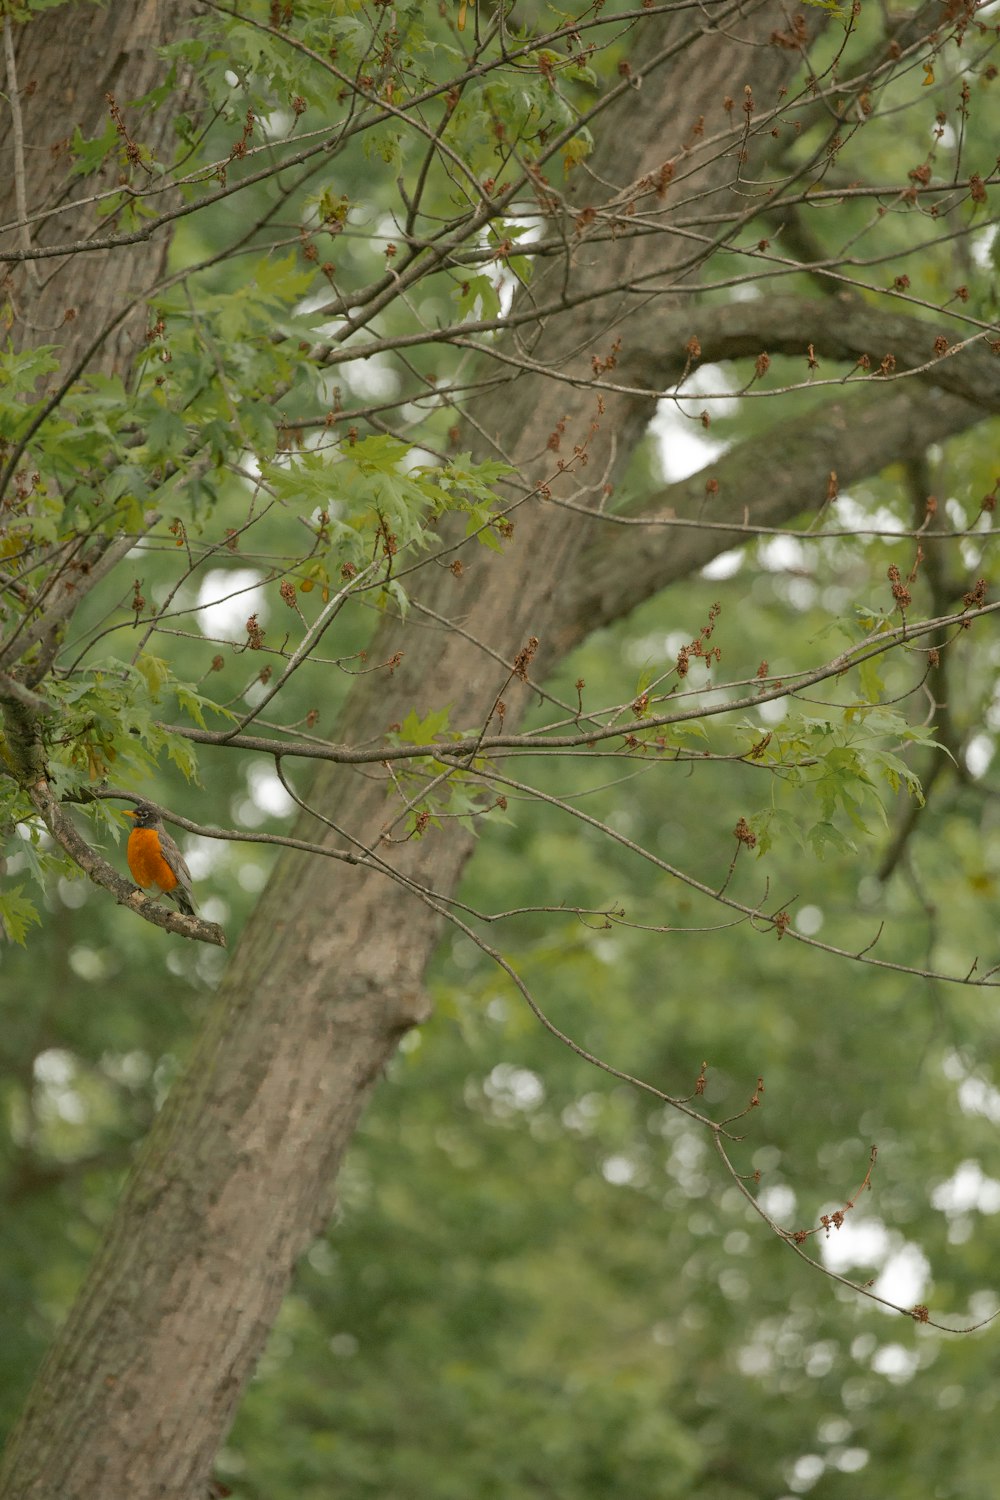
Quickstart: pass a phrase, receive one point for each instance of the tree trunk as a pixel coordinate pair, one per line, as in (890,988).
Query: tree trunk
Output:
(66,64)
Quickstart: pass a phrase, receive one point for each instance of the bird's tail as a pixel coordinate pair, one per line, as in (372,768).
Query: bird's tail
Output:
(183,900)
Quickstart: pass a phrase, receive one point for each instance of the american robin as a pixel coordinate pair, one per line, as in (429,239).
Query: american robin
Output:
(155,859)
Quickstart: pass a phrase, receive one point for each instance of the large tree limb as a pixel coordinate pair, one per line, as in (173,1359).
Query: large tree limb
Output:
(766,481)
(841,328)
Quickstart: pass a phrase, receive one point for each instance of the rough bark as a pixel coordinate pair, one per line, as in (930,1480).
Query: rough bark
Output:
(238,1173)
(59,68)
(66,63)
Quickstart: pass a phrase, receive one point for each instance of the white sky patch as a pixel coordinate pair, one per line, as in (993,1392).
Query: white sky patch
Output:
(227,598)
(505,281)
(971,555)
(992,715)
(979,753)
(726,565)
(68,1105)
(774,711)
(745,291)
(268,793)
(387,229)
(755,1360)
(981,245)
(834,1430)
(712,380)
(779,553)
(975,1095)
(968,1187)
(849,515)
(809,920)
(373,378)
(87,962)
(896,1362)
(619,1170)
(606,950)
(214,909)
(582,1114)
(778,1201)
(253,878)
(415,458)
(205,857)
(519,1088)
(805,1472)
(55,1070)
(133,1067)
(54,1066)
(904,1270)
(685,1164)
(683,448)
(800,592)
(855,1243)
(72,893)
(317,300)
(277,124)
(656,652)
(250,463)
(506,284)
(904,1277)
(820,1358)
(246,813)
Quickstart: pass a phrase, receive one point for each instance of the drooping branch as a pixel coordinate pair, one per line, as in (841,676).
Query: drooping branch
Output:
(946,756)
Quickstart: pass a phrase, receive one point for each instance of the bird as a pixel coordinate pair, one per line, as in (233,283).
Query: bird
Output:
(155,859)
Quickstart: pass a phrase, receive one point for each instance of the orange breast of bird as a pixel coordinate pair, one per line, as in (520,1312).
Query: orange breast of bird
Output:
(146,861)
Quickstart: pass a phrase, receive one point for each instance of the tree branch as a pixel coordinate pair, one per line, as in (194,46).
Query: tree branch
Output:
(765,481)
(80,575)
(103,874)
(839,328)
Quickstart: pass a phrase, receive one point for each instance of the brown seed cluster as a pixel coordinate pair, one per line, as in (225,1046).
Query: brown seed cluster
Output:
(744,834)
(900,592)
(524,657)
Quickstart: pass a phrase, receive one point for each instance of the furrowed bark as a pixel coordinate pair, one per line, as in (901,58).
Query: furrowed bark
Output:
(59,68)
(66,62)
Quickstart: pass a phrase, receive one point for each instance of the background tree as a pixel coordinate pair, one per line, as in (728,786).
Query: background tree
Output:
(505,238)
